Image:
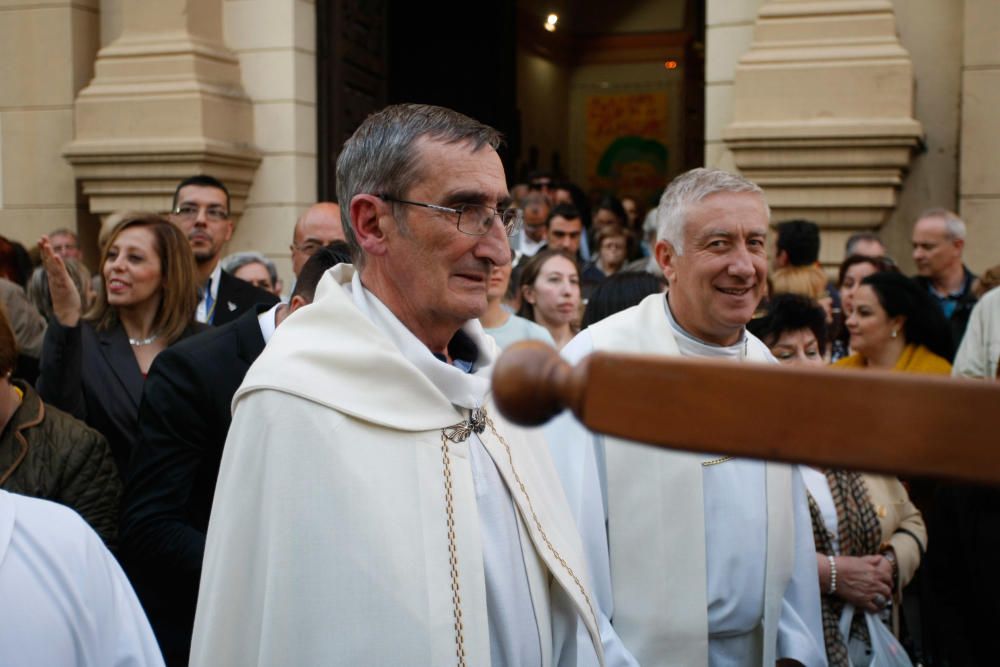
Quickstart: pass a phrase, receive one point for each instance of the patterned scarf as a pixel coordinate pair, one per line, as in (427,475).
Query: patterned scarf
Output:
(860,535)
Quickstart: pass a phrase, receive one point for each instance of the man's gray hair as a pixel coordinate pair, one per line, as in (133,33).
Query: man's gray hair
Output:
(64,231)
(954,225)
(238,260)
(691,188)
(381,156)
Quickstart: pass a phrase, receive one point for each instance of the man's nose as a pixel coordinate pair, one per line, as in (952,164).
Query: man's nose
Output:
(494,246)
(741,263)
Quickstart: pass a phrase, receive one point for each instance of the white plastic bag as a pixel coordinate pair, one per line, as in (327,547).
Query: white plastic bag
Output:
(886,651)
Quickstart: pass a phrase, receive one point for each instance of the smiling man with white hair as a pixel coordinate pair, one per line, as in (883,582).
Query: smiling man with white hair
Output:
(707,560)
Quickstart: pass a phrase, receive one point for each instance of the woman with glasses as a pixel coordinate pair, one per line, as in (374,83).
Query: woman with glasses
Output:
(93,364)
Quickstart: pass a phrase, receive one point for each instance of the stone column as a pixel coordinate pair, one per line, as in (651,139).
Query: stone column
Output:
(46,56)
(823,113)
(979,184)
(166,102)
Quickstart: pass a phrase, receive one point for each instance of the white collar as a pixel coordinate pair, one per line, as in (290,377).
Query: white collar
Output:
(215,277)
(695,347)
(268,322)
(467,390)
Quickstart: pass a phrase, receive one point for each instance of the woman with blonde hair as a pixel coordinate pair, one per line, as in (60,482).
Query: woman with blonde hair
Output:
(93,365)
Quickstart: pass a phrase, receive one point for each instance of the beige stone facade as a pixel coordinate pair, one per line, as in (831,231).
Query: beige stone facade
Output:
(858,113)
(177,87)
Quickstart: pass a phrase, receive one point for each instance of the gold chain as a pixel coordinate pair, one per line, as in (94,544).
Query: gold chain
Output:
(456,597)
(715,462)
(534,517)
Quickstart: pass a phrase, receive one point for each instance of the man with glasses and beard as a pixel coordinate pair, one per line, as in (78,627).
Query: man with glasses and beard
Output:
(201,210)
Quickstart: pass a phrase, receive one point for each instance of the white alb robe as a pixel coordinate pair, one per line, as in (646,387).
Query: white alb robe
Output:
(329,528)
(708,565)
(64,601)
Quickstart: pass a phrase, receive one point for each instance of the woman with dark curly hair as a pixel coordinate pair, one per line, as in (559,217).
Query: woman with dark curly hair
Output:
(794,329)
(895,325)
(93,366)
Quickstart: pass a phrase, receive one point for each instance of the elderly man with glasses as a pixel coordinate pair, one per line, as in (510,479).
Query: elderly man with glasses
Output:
(201,210)
(373,508)
(318,226)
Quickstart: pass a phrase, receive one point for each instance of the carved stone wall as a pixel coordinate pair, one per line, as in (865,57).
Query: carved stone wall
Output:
(822,113)
(166,102)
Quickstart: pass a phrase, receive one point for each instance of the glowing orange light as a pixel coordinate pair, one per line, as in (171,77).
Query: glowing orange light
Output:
(670,64)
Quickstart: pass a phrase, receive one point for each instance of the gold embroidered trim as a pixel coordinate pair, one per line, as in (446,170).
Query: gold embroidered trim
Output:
(456,594)
(715,462)
(534,517)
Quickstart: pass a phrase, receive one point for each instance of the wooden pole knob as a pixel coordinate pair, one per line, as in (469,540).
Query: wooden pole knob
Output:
(532,383)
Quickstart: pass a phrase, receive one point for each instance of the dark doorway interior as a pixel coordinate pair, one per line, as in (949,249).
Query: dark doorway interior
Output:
(463,55)
(375,52)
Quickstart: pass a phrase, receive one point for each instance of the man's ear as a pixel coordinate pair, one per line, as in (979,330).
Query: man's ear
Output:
(366,214)
(781,259)
(296,303)
(666,258)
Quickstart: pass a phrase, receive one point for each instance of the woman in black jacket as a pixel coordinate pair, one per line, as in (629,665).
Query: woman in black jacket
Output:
(94,366)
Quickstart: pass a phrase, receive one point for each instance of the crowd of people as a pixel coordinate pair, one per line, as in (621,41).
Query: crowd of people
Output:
(323,478)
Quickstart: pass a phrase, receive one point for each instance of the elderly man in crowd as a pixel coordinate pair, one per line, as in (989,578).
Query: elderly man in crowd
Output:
(938,241)
(201,210)
(531,238)
(372,506)
(711,558)
(66,244)
(317,227)
(254,268)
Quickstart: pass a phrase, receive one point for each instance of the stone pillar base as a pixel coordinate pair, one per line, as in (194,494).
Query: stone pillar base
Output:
(823,112)
(166,102)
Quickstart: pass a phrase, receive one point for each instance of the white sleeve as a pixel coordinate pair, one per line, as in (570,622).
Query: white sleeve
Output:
(578,456)
(972,360)
(127,639)
(800,629)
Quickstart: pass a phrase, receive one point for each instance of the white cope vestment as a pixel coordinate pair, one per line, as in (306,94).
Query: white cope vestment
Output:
(708,565)
(329,542)
(64,601)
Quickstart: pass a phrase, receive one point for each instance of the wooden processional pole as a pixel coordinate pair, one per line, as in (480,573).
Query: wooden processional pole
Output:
(873,421)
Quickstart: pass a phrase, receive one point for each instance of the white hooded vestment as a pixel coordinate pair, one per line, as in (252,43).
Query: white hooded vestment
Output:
(345,529)
(701,564)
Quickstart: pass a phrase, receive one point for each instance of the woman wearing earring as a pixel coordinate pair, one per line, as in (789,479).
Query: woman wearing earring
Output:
(896,326)
(93,365)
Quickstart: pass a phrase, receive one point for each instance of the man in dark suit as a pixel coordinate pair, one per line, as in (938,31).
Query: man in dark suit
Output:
(201,210)
(184,418)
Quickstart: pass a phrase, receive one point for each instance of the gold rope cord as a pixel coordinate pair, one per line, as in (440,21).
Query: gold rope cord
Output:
(456,596)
